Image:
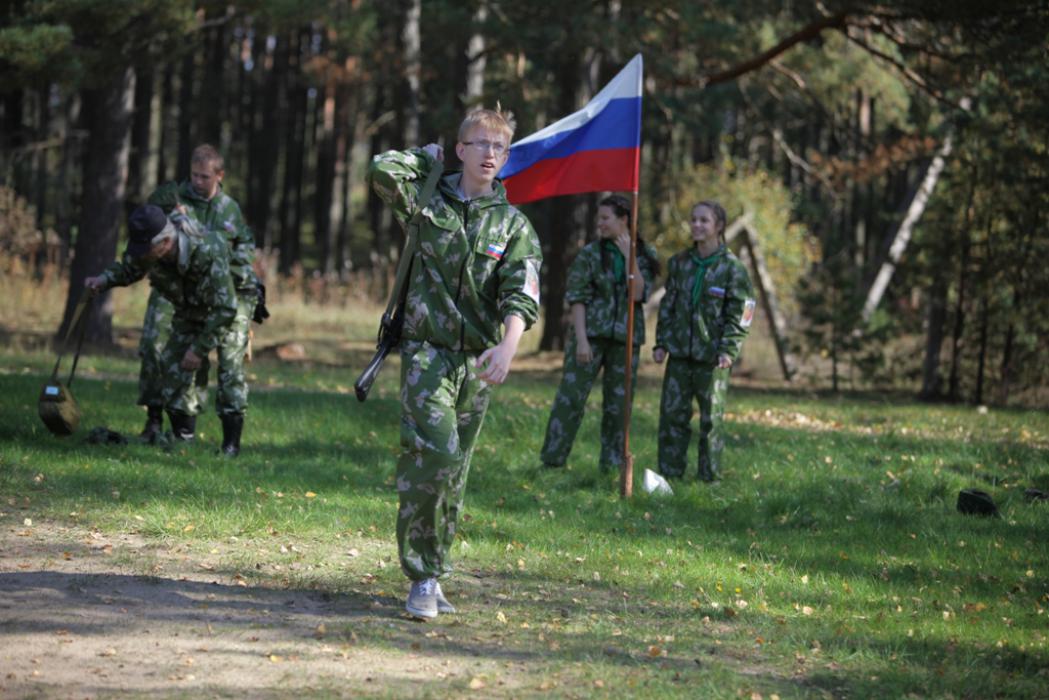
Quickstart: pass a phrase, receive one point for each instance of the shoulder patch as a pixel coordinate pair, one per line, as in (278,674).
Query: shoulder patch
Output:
(748,313)
(531,283)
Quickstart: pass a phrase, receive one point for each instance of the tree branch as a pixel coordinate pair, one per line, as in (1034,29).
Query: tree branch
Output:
(807,33)
(907,72)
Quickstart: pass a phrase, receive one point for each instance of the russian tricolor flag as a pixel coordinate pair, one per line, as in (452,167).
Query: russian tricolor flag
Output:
(596,149)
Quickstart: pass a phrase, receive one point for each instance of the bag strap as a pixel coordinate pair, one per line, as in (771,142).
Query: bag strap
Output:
(412,231)
(81,319)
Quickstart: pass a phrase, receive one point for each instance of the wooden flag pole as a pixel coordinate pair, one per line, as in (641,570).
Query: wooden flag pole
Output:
(626,474)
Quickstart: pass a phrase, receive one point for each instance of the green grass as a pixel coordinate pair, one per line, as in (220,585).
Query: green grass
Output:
(829,561)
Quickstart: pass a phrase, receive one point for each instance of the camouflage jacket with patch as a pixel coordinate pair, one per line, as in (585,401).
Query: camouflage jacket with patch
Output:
(220,213)
(592,282)
(197,283)
(475,262)
(718,322)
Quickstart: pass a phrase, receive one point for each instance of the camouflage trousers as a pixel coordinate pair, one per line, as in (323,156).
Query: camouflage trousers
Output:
(156,328)
(182,391)
(443,404)
(570,402)
(155,332)
(232,378)
(683,381)
(233,348)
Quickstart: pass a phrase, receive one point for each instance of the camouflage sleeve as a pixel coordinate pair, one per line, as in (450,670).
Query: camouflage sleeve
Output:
(580,273)
(220,296)
(123,272)
(519,274)
(397,176)
(737,313)
(165,196)
(665,322)
(242,245)
(647,264)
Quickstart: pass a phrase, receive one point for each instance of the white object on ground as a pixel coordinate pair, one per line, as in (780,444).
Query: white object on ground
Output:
(654,483)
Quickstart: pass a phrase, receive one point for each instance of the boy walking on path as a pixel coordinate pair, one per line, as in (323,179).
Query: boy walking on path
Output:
(472,291)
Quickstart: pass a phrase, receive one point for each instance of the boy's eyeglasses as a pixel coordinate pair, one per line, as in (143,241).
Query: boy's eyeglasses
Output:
(484,146)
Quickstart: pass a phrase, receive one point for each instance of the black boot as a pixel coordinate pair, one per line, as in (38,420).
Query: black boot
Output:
(183,427)
(232,426)
(154,423)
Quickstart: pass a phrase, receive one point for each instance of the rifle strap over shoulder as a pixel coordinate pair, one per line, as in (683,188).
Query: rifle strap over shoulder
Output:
(400,286)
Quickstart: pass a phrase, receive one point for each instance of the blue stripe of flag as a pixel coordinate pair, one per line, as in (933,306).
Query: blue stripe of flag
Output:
(618,125)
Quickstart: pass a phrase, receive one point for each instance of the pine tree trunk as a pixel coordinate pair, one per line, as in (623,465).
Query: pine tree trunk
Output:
(328,141)
(272,67)
(43,129)
(212,99)
(981,362)
(347,124)
(107,120)
(291,192)
(934,332)
(167,119)
(186,117)
(411,39)
(138,185)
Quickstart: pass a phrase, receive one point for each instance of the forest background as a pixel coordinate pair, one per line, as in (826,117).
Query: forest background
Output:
(864,143)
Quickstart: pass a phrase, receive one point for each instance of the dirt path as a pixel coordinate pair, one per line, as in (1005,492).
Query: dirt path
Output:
(77,621)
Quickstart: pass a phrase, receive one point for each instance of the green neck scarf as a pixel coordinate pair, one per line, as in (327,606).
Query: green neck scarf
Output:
(618,262)
(702,265)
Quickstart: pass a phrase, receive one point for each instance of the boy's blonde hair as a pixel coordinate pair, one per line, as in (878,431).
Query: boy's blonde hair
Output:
(206,154)
(491,119)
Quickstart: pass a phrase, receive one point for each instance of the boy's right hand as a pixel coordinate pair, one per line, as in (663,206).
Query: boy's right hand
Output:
(94,284)
(659,354)
(584,354)
(434,150)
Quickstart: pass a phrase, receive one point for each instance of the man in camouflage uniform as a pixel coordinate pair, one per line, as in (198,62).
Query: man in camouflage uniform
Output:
(203,199)
(597,295)
(703,319)
(472,291)
(190,268)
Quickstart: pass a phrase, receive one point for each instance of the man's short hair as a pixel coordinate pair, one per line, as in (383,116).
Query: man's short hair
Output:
(206,154)
(491,119)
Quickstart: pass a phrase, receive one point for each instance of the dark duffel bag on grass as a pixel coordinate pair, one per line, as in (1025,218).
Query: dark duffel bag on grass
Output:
(976,502)
(57,407)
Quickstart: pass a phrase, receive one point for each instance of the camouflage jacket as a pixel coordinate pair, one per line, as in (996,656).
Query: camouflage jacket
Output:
(197,283)
(475,263)
(718,322)
(592,281)
(220,213)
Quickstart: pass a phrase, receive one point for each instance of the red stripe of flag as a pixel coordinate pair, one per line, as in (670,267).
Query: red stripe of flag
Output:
(613,169)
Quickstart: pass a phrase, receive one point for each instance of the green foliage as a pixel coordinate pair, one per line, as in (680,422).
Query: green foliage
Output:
(32,50)
(837,68)
(83,40)
(788,247)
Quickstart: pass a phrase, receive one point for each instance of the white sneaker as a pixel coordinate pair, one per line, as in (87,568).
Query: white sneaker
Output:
(422,599)
(442,603)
